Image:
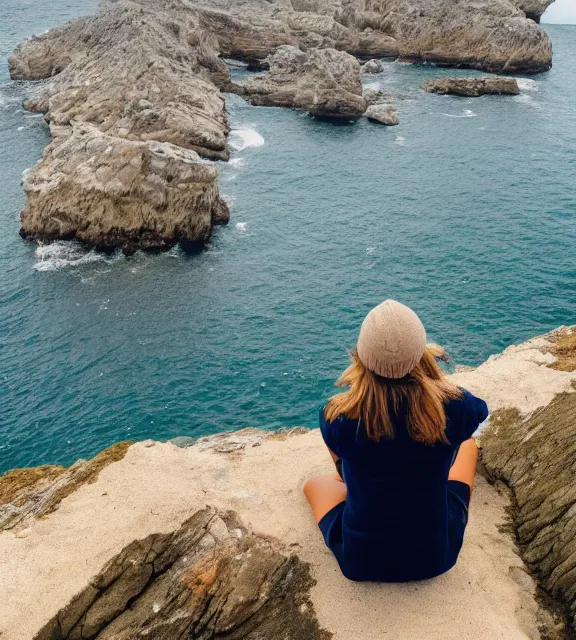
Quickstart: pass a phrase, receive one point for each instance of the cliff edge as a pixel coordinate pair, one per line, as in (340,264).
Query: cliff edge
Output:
(138,532)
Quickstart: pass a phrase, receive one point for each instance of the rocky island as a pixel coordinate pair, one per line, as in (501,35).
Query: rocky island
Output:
(142,82)
(124,546)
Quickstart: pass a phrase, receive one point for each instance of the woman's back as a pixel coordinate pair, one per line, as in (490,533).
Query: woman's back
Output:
(396,519)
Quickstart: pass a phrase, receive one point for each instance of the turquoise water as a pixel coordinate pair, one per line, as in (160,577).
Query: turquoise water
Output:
(465,211)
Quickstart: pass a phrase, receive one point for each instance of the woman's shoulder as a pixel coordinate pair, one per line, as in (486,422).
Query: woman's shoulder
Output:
(467,401)
(338,433)
(465,413)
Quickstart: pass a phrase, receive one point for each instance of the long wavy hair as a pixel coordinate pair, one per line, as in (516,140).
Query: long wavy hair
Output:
(378,402)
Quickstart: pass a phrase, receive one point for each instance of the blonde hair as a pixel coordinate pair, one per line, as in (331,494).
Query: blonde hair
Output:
(377,401)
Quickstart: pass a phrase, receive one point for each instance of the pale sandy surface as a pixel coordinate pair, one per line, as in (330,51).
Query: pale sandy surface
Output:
(157,486)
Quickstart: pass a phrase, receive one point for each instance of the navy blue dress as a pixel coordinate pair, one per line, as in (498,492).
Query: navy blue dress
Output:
(402,519)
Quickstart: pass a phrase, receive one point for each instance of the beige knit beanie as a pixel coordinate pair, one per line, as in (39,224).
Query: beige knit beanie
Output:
(392,340)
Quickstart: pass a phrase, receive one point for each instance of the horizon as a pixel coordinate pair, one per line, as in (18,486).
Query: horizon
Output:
(560,12)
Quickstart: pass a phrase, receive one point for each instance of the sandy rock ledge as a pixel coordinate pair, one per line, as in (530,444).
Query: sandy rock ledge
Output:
(142,517)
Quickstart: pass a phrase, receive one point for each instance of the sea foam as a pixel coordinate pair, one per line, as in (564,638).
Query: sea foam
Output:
(62,254)
(468,113)
(526,84)
(241,139)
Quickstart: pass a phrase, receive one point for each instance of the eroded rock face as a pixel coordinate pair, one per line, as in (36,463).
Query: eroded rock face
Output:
(122,83)
(533,8)
(27,494)
(324,82)
(112,192)
(383,113)
(536,457)
(472,87)
(209,579)
(134,73)
(493,35)
(373,66)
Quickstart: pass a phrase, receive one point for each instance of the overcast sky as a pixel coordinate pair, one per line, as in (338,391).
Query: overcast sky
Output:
(562,12)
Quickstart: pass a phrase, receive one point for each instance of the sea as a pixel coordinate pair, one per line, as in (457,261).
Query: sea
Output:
(466,211)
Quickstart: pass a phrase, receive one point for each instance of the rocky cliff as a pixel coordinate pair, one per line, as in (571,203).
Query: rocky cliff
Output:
(143,72)
(132,527)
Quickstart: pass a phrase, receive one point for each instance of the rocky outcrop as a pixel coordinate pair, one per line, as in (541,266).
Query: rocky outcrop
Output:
(533,8)
(472,87)
(374,95)
(209,579)
(132,96)
(27,494)
(493,35)
(536,457)
(383,113)
(323,82)
(373,66)
(136,73)
(111,192)
(143,71)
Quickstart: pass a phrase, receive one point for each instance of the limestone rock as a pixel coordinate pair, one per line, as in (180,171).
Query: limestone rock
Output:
(373,66)
(536,457)
(251,38)
(324,82)
(133,73)
(208,579)
(493,35)
(533,8)
(111,192)
(472,87)
(374,95)
(383,113)
(26,494)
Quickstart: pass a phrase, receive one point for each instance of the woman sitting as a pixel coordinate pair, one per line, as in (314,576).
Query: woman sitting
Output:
(401,440)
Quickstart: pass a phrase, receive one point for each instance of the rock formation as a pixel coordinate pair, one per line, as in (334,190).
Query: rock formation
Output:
(373,66)
(493,35)
(383,113)
(141,78)
(536,456)
(472,87)
(324,82)
(142,71)
(209,579)
(533,8)
(374,95)
(113,192)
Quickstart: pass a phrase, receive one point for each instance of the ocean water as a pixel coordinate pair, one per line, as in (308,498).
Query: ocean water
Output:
(466,212)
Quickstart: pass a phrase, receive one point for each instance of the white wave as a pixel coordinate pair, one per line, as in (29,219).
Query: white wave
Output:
(241,139)
(370,250)
(229,199)
(399,140)
(526,84)
(236,162)
(376,86)
(241,226)
(21,128)
(526,99)
(468,113)
(62,254)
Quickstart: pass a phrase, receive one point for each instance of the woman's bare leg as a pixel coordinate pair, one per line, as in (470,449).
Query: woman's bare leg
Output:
(464,467)
(324,493)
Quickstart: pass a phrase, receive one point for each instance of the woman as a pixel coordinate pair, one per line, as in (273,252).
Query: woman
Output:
(401,438)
